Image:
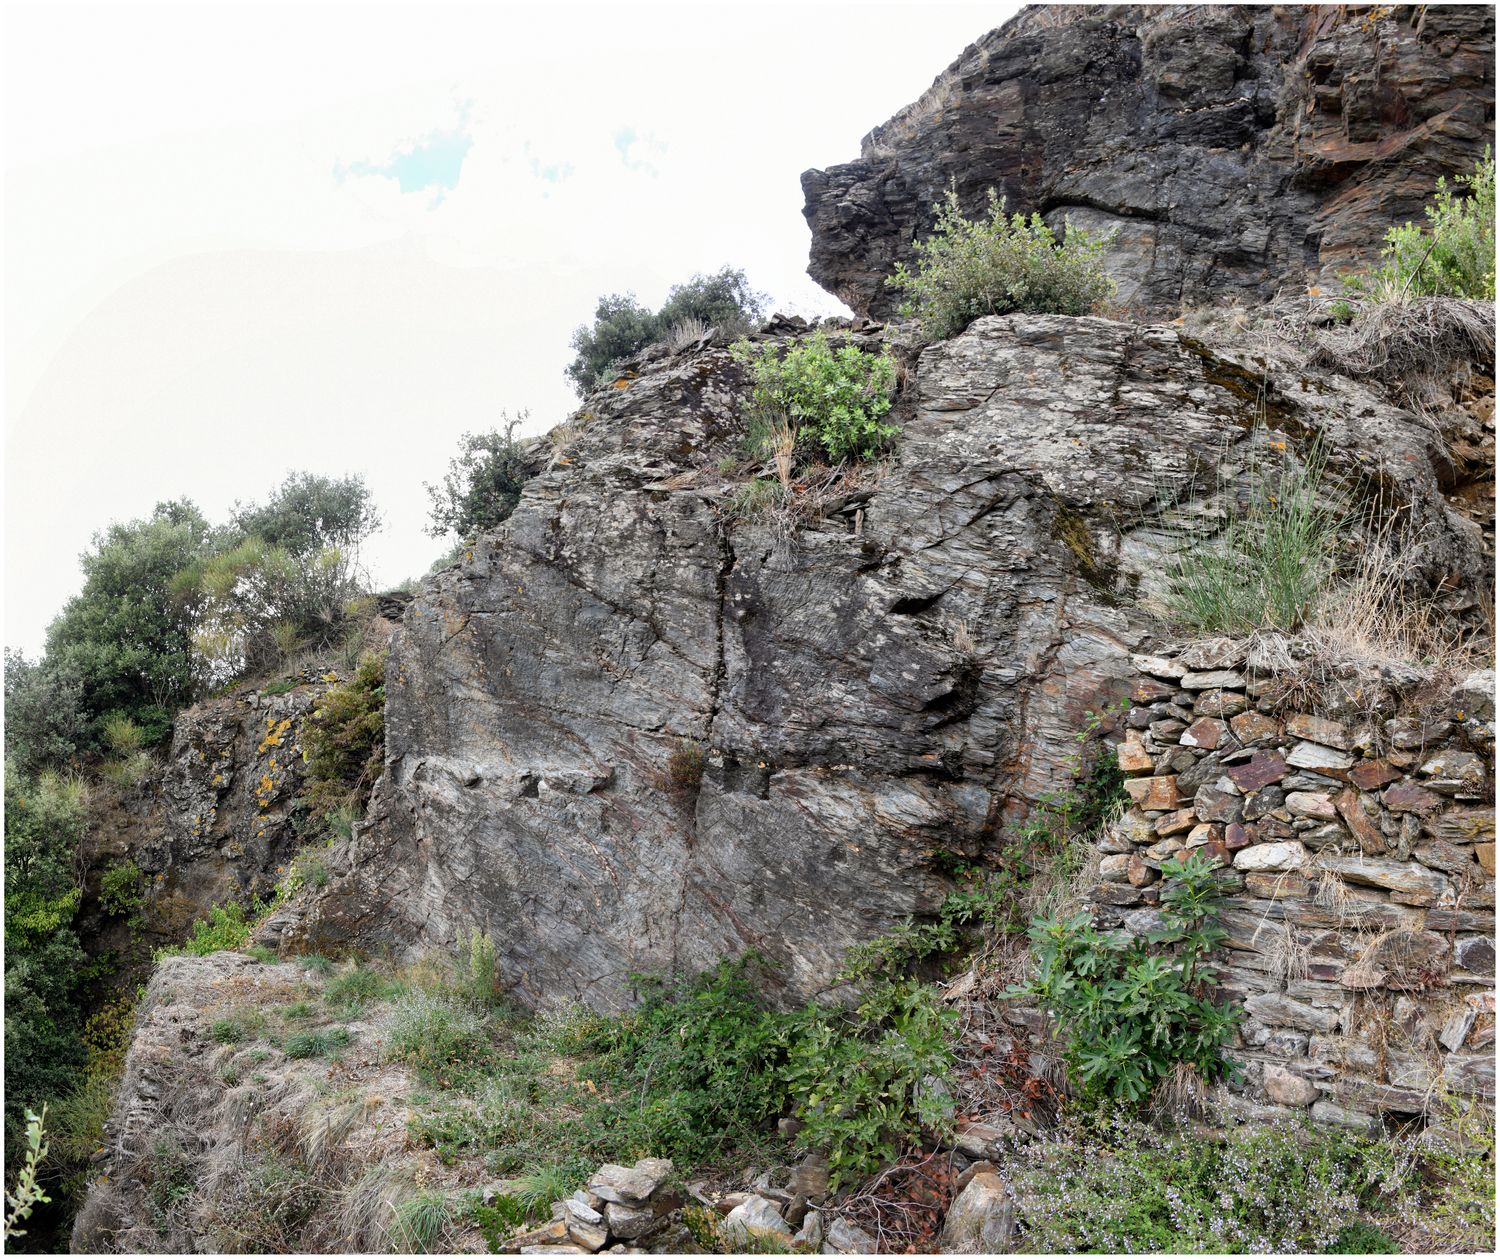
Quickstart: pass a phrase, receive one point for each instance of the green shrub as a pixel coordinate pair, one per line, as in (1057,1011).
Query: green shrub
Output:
(970,268)
(1129,1010)
(43,724)
(482,485)
(1119,1186)
(836,397)
(343,740)
(46,819)
(1452,255)
(479,970)
(863,1079)
(623,327)
(1273,559)
(122,889)
(225,928)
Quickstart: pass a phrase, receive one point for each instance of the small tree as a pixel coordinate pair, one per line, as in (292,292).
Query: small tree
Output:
(482,485)
(622,326)
(970,268)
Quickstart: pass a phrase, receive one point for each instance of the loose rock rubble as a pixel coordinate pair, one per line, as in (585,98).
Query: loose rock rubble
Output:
(1359,848)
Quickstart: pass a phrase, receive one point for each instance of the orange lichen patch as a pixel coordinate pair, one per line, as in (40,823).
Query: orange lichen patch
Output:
(275,733)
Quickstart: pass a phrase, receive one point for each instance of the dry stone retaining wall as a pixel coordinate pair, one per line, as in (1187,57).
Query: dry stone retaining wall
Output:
(1360,852)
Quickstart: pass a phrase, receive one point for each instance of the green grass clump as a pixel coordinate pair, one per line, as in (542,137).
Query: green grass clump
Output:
(314,1044)
(420,1223)
(1274,557)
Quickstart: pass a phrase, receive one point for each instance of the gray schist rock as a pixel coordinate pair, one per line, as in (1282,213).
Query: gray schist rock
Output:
(540,695)
(1234,150)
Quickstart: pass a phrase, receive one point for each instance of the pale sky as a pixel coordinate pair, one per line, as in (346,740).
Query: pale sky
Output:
(241,239)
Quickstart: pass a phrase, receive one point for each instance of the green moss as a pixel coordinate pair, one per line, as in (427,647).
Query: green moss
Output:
(1071,529)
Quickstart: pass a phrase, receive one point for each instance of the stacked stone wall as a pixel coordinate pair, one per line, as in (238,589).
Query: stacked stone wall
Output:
(1355,826)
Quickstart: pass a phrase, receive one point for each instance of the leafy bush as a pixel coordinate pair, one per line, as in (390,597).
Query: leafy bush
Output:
(122,890)
(1274,557)
(623,327)
(1121,1186)
(343,741)
(225,928)
(482,485)
(1130,1009)
(862,1079)
(836,396)
(1452,255)
(970,268)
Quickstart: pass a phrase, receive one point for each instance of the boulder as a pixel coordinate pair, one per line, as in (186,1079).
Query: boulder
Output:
(981,1220)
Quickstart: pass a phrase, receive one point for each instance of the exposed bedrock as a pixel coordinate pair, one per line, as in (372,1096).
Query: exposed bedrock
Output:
(1236,150)
(892,681)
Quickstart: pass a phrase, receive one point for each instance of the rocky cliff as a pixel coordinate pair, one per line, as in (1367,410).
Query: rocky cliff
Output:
(1235,149)
(637,729)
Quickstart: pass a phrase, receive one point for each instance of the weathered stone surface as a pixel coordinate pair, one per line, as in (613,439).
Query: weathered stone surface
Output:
(1368,775)
(1277,886)
(1476,955)
(755,1218)
(1177,822)
(630,1222)
(1332,1115)
(1261,770)
(1213,679)
(630,1186)
(1288,855)
(1279,1011)
(1318,730)
(1219,703)
(1154,793)
(1454,772)
(1409,798)
(1307,755)
(1206,733)
(981,1220)
(1287,1088)
(1463,826)
(1312,804)
(1351,807)
(1254,728)
(844,1238)
(1395,876)
(1239,150)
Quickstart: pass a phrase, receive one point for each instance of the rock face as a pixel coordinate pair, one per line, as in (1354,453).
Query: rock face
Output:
(638,729)
(212,824)
(1237,150)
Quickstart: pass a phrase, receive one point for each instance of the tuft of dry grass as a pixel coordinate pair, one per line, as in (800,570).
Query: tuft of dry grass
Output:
(1406,338)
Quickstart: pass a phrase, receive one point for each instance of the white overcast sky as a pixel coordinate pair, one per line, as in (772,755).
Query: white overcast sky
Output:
(245,238)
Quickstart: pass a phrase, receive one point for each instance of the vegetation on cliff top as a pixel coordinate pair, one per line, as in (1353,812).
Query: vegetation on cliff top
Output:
(623,327)
(969,268)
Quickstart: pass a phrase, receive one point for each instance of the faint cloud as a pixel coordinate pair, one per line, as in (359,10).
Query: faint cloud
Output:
(433,162)
(637,151)
(549,172)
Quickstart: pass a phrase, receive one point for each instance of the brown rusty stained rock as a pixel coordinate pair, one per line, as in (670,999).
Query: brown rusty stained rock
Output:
(1261,770)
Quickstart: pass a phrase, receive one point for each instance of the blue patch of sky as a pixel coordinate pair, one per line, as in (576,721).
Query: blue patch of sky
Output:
(433,162)
(636,150)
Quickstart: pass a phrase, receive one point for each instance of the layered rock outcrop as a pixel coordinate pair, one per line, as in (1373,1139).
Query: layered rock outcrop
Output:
(637,728)
(1236,150)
